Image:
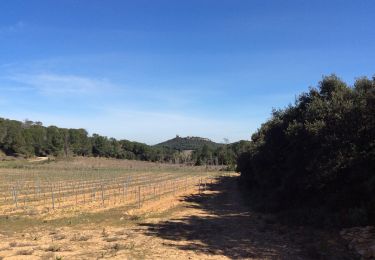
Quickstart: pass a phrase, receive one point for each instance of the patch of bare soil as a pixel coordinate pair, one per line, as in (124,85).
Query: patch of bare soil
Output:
(38,159)
(217,224)
(211,224)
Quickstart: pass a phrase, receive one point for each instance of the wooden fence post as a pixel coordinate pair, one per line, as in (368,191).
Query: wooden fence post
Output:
(15,197)
(102,195)
(139,197)
(53,197)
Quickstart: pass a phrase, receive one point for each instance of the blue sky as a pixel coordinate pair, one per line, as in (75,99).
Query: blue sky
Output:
(148,70)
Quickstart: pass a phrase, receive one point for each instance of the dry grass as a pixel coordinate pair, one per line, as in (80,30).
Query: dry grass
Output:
(103,236)
(25,252)
(77,237)
(59,237)
(53,248)
(21,244)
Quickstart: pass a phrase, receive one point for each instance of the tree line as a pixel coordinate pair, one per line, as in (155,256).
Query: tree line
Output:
(30,138)
(314,161)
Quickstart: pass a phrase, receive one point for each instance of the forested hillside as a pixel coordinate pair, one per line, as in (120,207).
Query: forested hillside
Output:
(189,143)
(314,161)
(28,138)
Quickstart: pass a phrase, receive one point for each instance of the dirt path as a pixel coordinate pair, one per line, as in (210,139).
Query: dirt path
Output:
(218,225)
(215,224)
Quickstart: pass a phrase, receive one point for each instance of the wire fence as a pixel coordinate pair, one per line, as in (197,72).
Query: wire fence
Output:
(32,193)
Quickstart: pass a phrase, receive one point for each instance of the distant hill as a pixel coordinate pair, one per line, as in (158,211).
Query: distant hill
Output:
(188,143)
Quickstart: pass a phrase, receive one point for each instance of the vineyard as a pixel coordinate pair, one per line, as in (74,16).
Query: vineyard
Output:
(92,183)
(97,208)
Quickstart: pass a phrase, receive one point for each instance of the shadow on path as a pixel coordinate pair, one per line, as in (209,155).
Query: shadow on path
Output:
(226,226)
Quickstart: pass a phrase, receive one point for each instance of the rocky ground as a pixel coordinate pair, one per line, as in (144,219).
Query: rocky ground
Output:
(361,240)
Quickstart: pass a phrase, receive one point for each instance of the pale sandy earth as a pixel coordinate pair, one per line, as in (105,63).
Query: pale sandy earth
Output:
(213,225)
(38,159)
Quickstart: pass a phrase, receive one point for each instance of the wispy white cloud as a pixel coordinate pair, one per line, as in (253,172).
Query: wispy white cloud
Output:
(150,114)
(52,84)
(119,105)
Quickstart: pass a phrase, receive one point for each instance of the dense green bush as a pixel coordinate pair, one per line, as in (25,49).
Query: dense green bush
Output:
(318,154)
